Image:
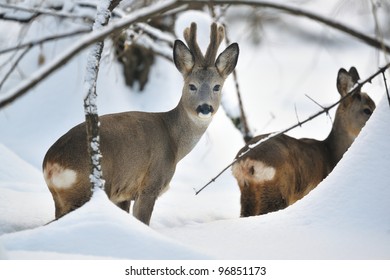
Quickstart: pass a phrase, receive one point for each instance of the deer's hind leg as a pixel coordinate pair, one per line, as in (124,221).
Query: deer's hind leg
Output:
(260,199)
(249,200)
(124,205)
(271,199)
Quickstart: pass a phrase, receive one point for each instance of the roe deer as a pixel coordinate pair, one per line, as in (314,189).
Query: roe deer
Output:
(282,170)
(140,150)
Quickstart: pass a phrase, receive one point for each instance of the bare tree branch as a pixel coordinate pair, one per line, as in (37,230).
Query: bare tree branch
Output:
(90,107)
(39,11)
(372,41)
(137,16)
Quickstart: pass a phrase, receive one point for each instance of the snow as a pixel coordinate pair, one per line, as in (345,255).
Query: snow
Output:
(345,217)
(98,223)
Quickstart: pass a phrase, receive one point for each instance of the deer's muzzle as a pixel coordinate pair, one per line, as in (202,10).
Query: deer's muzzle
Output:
(204,110)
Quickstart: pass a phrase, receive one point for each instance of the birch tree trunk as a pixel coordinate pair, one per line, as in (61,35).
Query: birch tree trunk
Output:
(90,107)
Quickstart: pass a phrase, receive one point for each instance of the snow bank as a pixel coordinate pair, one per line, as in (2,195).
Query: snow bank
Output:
(99,229)
(24,199)
(345,217)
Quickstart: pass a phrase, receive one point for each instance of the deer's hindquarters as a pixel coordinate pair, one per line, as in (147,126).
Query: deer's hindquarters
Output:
(253,170)
(67,188)
(277,173)
(135,166)
(258,185)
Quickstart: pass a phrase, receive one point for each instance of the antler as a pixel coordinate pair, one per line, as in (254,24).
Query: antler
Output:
(217,35)
(190,37)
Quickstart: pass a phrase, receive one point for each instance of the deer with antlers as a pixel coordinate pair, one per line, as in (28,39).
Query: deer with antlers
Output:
(140,150)
(282,170)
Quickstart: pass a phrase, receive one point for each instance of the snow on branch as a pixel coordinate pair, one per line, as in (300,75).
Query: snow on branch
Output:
(161,43)
(36,77)
(90,100)
(325,110)
(372,41)
(30,13)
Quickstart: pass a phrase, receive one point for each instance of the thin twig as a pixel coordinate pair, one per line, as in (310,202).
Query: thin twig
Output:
(315,102)
(387,89)
(296,113)
(244,129)
(14,65)
(319,105)
(251,147)
(36,42)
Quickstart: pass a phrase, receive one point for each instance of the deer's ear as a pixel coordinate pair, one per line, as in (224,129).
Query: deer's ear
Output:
(354,74)
(227,60)
(344,82)
(183,58)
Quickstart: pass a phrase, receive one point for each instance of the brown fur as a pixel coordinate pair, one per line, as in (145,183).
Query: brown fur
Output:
(299,164)
(140,150)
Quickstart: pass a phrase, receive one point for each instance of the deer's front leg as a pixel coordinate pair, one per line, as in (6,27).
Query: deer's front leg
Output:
(124,205)
(143,207)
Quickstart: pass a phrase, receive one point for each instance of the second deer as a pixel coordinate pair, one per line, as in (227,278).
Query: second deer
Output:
(140,150)
(282,170)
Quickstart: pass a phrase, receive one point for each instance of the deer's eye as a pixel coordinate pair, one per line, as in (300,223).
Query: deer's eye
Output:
(367,111)
(192,87)
(216,88)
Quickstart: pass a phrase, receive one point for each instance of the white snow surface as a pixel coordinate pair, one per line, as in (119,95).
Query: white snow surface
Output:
(345,217)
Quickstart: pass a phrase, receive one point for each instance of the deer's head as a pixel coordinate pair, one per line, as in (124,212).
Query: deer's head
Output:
(356,109)
(204,75)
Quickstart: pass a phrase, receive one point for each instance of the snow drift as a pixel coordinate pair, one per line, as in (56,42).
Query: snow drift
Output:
(345,217)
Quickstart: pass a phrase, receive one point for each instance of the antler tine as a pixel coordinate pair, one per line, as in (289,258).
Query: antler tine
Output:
(217,35)
(190,37)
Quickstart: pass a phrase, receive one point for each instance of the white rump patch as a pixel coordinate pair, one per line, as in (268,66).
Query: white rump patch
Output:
(253,170)
(263,172)
(59,177)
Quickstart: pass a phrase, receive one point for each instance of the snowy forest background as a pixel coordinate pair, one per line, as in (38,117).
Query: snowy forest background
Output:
(284,58)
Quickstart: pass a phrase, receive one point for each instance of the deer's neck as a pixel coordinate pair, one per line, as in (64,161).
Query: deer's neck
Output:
(185,130)
(338,141)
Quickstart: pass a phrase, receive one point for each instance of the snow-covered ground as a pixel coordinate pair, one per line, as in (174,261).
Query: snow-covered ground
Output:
(345,217)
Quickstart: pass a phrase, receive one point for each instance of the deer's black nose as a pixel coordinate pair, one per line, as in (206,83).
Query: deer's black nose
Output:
(204,109)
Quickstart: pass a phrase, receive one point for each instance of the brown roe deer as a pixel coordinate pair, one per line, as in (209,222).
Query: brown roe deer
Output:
(282,170)
(140,150)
